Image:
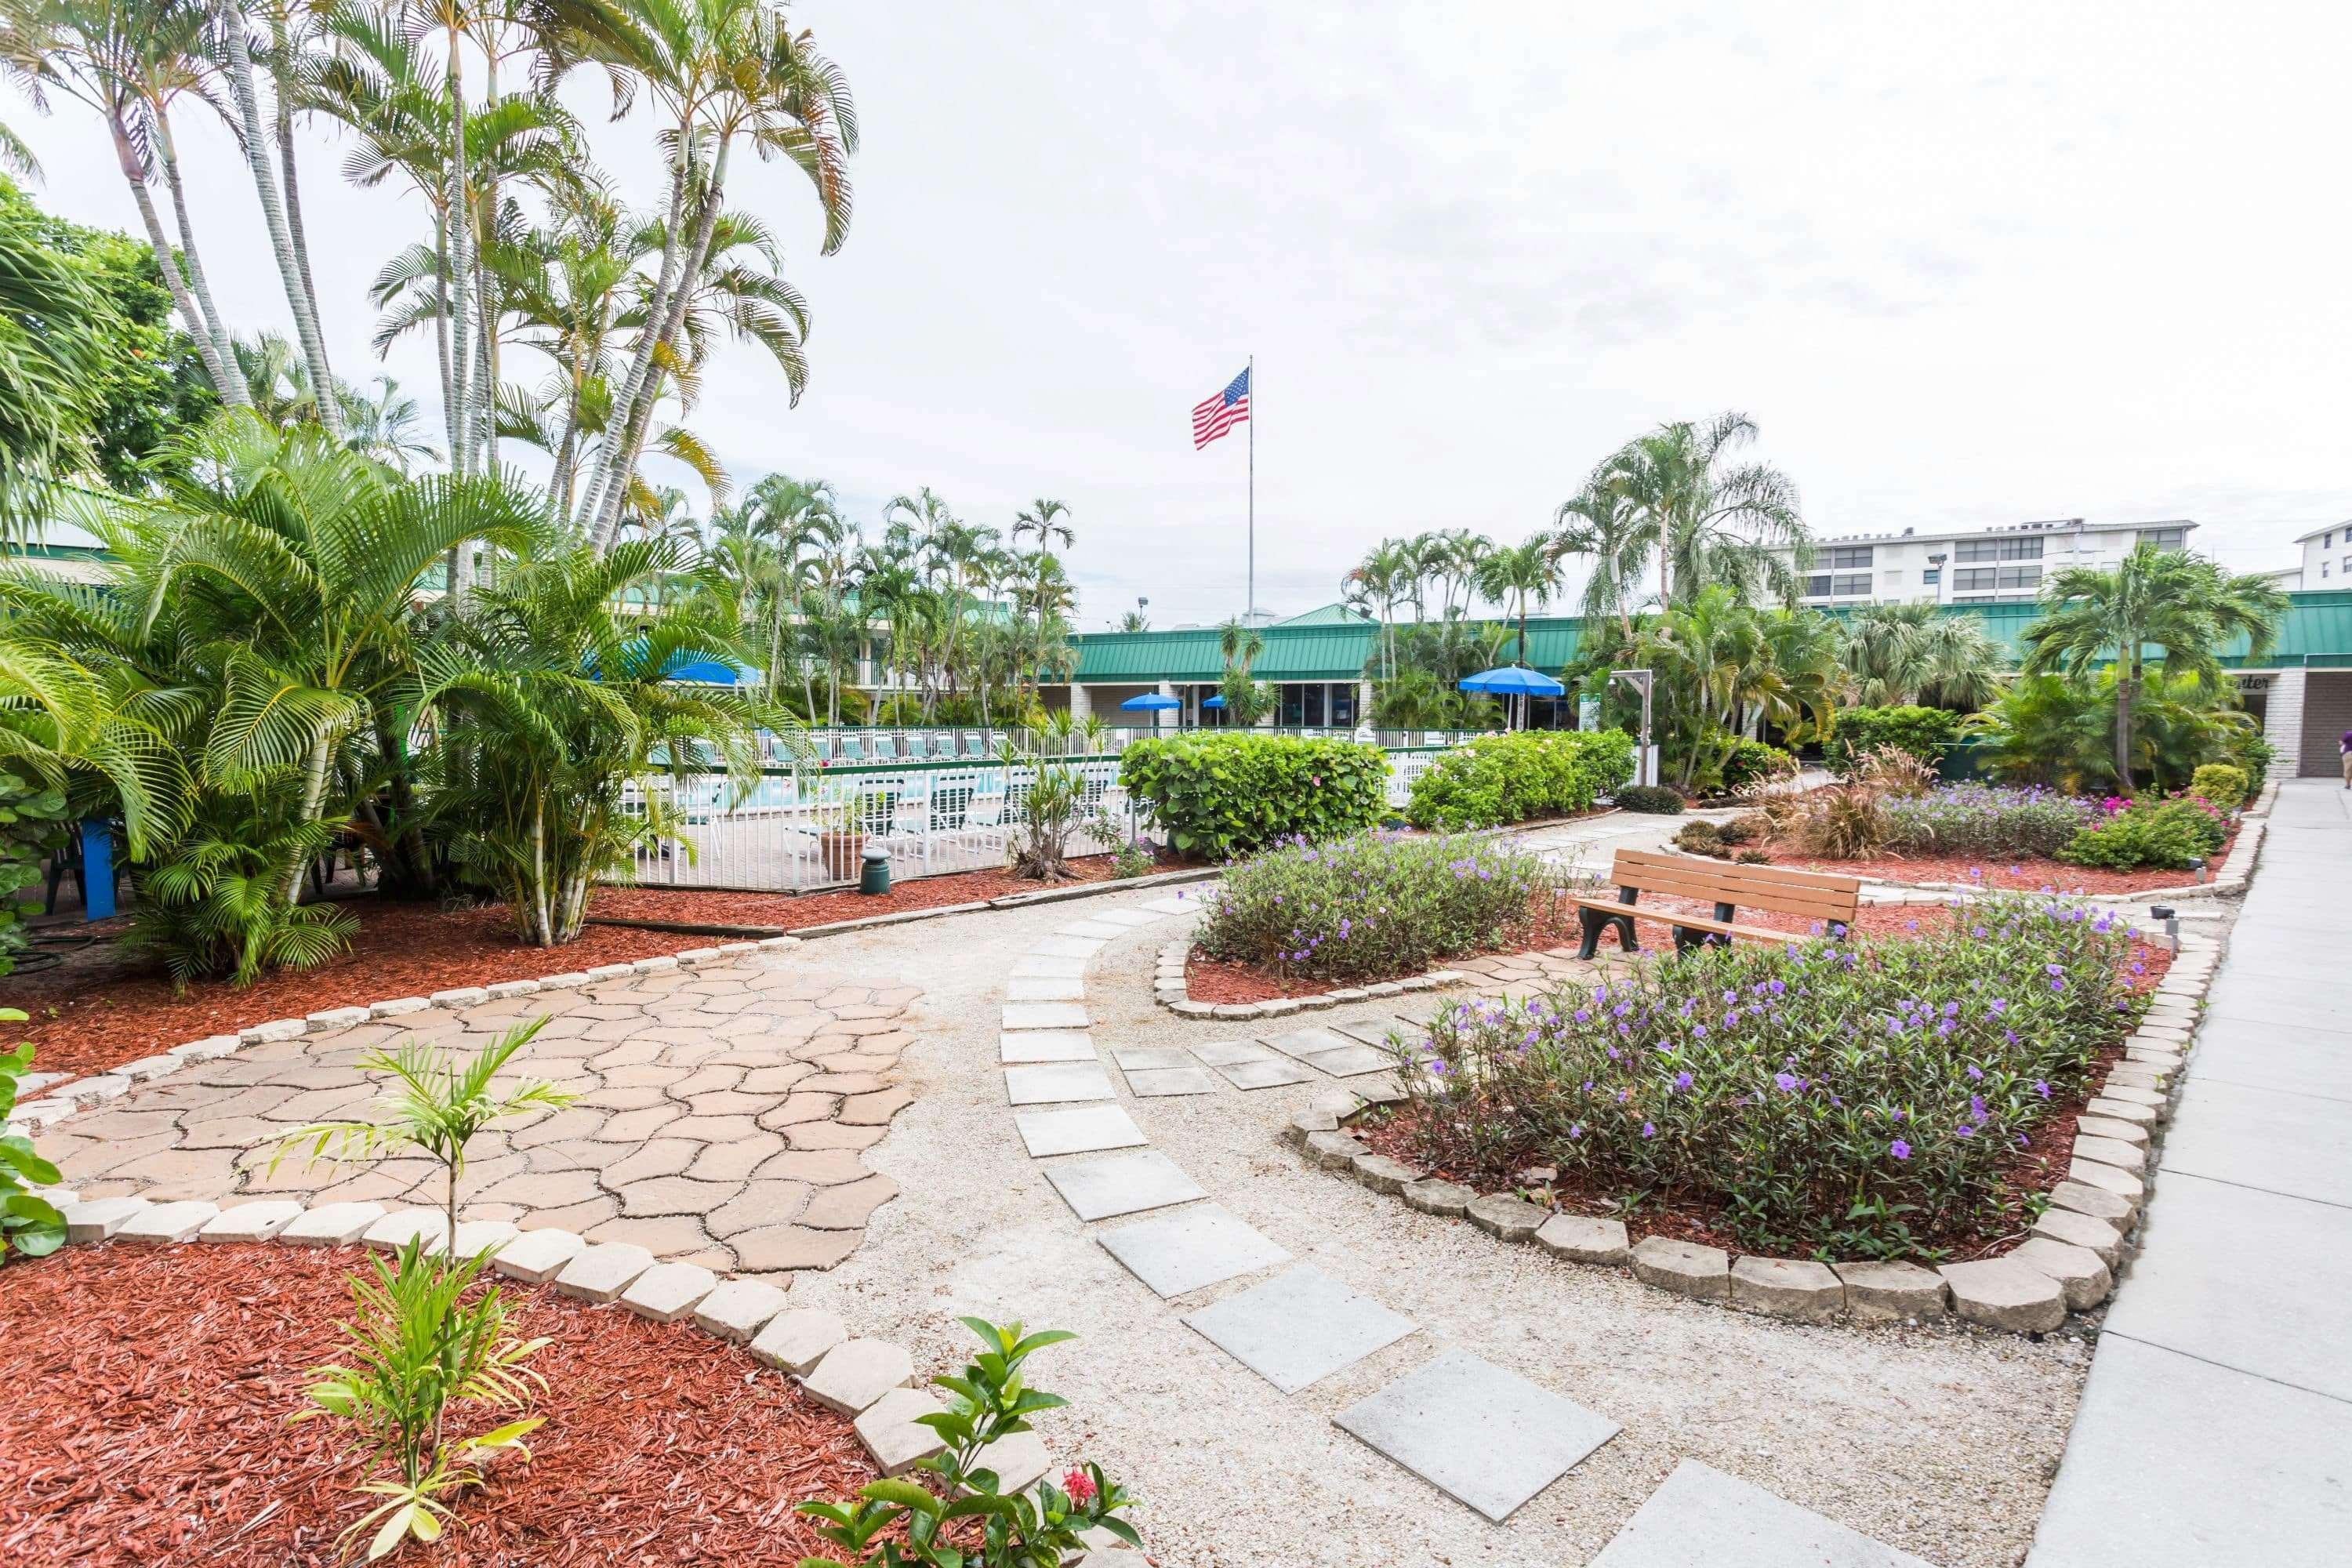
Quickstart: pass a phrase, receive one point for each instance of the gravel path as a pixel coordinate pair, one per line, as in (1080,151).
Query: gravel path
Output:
(1940,1442)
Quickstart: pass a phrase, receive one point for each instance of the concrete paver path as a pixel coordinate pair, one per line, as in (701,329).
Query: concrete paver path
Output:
(2216,1428)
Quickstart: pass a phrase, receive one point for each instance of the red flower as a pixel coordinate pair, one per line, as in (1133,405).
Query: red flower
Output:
(1080,1486)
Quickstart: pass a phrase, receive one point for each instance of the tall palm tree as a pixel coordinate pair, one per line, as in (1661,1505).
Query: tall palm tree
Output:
(1603,525)
(1241,644)
(1514,573)
(384,427)
(1917,653)
(1383,578)
(1709,519)
(2183,605)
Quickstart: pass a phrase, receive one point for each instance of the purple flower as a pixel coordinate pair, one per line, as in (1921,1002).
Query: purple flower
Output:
(1699,1029)
(2041,1089)
(1951,1009)
(1575,1130)
(1583,1016)
(1785,1082)
(1899,1149)
(1649,1130)
(1681,1080)
(1976,1107)
(1965,1131)
(1975,1072)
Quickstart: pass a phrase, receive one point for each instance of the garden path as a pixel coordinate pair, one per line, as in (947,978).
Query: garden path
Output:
(2217,1425)
(719,1119)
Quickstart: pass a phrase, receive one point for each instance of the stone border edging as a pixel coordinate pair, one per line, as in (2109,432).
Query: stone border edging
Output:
(1168,990)
(2065,1264)
(62,1100)
(871,1381)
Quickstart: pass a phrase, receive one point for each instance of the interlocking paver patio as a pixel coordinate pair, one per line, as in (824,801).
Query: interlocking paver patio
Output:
(718,1109)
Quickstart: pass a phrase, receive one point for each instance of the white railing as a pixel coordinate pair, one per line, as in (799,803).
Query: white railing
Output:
(800,830)
(856,745)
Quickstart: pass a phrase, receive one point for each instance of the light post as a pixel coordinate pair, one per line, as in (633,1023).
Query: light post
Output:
(1646,772)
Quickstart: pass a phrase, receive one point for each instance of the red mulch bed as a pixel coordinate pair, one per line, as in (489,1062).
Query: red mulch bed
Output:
(2030,873)
(149,1392)
(101,1009)
(2035,1168)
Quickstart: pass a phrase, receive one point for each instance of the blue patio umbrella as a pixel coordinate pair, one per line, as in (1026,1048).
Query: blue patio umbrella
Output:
(1150,702)
(1513,679)
(1216,701)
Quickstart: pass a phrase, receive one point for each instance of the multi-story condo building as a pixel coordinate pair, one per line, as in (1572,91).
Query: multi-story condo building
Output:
(1971,566)
(2323,559)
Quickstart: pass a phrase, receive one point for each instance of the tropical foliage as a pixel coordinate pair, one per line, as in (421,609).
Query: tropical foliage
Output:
(1220,794)
(1926,733)
(30,1224)
(1372,905)
(2053,730)
(1837,1094)
(1498,779)
(1921,654)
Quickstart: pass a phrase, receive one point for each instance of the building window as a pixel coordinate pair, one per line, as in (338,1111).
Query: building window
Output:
(2323,568)
(1999,550)
(2021,576)
(1932,575)
(2328,542)
(1847,557)
(1313,716)
(1850,586)
(2164,538)
(1817,586)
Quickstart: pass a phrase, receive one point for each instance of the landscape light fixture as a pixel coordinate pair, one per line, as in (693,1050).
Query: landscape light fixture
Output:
(1644,771)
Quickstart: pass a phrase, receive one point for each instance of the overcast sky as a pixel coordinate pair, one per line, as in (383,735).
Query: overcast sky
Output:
(1963,263)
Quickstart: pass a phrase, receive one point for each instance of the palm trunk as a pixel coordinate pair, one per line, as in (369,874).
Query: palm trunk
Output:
(286,161)
(273,211)
(314,790)
(460,282)
(610,473)
(2127,689)
(230,386)
(633,436)
(441,335)
(236,394)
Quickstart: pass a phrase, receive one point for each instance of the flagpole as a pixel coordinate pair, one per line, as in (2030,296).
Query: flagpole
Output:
(1249,600)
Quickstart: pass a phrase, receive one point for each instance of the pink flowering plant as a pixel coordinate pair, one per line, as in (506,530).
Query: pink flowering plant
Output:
(966,1518)
(1373,906)
(1837,1094)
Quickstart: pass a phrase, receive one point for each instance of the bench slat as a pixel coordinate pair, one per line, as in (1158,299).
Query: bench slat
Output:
(1731,890)
(1818,881)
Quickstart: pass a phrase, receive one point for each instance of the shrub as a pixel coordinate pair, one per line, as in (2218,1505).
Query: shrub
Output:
(1747,827)
(1499,779)
(1370,906)
(1844,822)
(33,824)
(1702,838)
(2203,821)
(1753,761)
(1753,858)
(1223,794)
(990,1401)
(1986,819)
(2137,837)
(2221,783)
(28,1224)
(2250,751)
(214,903)
(1655,800)
(1925,732)
(1849,1095)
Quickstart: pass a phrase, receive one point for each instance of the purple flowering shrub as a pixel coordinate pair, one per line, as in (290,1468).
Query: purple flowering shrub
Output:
(1371,907)
(1838,1094)
(1986,819)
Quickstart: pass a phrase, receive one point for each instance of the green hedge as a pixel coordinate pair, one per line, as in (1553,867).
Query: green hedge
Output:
(1925,732)
(1223,794)
(1753,760)
(1499,779)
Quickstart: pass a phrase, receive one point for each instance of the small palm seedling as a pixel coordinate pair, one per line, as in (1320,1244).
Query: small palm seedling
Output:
(417,1346)
(437,1102)
(991,1400)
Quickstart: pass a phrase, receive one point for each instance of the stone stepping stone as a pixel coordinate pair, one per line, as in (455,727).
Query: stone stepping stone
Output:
(1232,1053)
(1065,988)
(1150,1059)
(1267,1072)
(1045,1016)
(1082,1129)
(1094,930)
(1185,1252)
(1067,947)
(1191,906)
(1701,1515)
(1046,1083)
(1299,1328)
(1151,1083)
(1352,1061)
(1046,1046)
(1301,1045)
(1049,968)
(1122,1184)
(1482,1436)
(1130,918)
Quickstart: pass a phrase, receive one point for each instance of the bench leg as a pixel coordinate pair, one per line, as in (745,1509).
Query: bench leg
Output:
(1593,922)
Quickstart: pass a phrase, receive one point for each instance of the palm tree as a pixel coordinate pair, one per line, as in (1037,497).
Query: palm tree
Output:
(1603,525)
(1518,572)
(1047,521)
(1917,653)
(1241,644)
(1134,621)
(384,427)
(2183,605)
(1383,578)
(1708,521)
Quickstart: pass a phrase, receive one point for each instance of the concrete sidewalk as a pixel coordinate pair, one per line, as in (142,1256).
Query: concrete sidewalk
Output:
(2216,1428)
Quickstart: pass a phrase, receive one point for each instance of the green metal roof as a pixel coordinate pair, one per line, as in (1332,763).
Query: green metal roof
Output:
(1334,614)
(2316,630)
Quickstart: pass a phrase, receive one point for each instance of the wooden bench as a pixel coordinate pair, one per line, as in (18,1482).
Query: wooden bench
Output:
(1728,887)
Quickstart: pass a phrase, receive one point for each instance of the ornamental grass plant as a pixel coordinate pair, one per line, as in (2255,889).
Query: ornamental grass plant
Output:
(1373,906)
(1845,1096)
(1986,819)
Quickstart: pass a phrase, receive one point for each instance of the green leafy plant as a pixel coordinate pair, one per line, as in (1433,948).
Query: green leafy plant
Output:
(1498,779)
(1749,762)
(213,902)
(417,1346)
(1701,836)
(1790,1084)
(33,824)
(969,1522)
(2221,783)
(1053,810)
(437,1104)
(1372,905)
(2137,837)
(28,1224)
(1654,800)
(1223,793)
(1924,733)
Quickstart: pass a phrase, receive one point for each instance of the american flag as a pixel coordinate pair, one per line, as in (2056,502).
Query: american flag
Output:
(1221,411)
